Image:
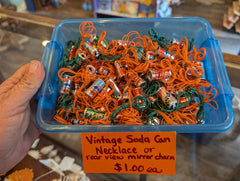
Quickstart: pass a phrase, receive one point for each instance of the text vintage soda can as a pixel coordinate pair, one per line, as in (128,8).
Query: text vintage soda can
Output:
(93,114)
(159,74)
(169,100)
(95,88)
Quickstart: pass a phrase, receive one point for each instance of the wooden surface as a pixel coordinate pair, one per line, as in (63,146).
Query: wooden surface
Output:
(38,168)
(232,63)
(29,18)
(31,25)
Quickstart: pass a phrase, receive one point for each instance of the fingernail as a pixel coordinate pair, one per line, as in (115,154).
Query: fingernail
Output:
(33,67)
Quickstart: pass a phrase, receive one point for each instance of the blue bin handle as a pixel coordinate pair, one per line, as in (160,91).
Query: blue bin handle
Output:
(227,89)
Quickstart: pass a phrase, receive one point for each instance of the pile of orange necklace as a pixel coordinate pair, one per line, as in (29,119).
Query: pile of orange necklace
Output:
(138,80)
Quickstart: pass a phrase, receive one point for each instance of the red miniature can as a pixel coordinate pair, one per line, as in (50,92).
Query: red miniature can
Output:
(153,98)
(137,91)
(159,75)
(106,72)
(139,82)
(183,100)
(162,52)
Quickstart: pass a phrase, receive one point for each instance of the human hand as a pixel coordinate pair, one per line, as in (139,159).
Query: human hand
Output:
(17,127)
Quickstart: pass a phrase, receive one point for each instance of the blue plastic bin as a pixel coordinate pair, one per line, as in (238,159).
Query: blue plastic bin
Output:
(197,28)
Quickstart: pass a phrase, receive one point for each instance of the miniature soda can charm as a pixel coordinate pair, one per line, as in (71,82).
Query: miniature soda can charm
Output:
(91,48)
(154,121)
(66,85)
(125,96)
(137,92)
(72,52)
(95,88)
(75,121)
(93,114)
(162,52)
(82,56)
(169,100)
(153,98)
(183,100)
(116,94)
(121,71)
(93,66)
(174,41)
(150,55)
(159,75)
(140,51)
(106,72)
(139,82)
(94,40)
(75,87)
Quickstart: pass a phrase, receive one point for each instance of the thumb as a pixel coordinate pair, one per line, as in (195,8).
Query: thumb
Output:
(29,83)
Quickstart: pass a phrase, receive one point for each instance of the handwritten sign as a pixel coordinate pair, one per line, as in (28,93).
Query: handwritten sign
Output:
(136,153)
